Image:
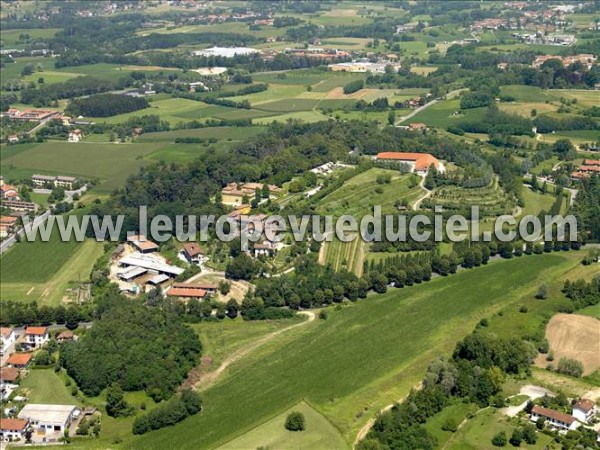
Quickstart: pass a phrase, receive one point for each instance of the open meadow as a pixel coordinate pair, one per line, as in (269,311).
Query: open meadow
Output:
(363,357)
(42,271)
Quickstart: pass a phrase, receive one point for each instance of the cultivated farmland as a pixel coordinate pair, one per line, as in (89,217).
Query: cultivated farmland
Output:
(362,358)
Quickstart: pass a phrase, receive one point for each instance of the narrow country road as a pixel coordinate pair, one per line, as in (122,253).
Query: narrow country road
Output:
(362,433)
(417,204)
(449,95)
(208,379)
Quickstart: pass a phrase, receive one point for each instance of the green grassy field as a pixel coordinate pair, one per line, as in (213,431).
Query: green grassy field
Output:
(358,195)
(44,386)
(41,271)
(362,358)
(318,435)
(112,163)
(478,432)
(220,339)
(457,411)
(220,133)
(442,115)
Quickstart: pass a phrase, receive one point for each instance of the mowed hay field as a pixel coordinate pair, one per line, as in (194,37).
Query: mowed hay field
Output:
(362,358)
(318,435)
(111,163)
(41,271)
(574,336)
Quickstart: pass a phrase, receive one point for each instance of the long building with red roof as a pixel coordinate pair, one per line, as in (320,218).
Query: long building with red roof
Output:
(419,162)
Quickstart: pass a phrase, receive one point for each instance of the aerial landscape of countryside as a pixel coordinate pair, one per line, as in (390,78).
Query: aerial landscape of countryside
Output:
(315,224)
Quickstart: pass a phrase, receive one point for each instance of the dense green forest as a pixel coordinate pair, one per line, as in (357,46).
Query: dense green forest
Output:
(135,346)
(105,105)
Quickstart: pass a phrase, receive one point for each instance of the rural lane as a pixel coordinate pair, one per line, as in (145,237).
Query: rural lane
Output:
(208,379)
(449,95)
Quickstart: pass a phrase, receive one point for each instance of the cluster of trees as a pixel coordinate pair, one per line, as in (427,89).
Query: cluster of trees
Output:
(18,313)
(47,94)
(137,347)
(183,405)
(548,124)
(475,373)
(354,86)
(582,293)
(494,121)
(587,208)
(105,105)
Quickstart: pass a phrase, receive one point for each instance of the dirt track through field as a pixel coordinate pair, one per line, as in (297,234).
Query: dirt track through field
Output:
(574,336)
(202,381)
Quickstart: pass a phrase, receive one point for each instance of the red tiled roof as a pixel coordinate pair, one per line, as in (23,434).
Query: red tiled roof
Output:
(422,160)
(584,404)
(13,424)
(5,331)
(19,359)
(36,330)
(192,249)
(200,285)
(591,162)
(8,220)
(553,414)
(589,169)
(186,292)
(9,374)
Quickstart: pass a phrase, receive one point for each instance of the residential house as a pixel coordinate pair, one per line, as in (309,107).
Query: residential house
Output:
(418,162)
(142,244)
(417,126)
(192,252)
(65,336)
(8,225)
(234,193)
(13,429)
(584,410)
(13,139)
(7,338)
(265,248)
(9,192)
(9,375)
(554,419)
(36,337)
(48,419)
(19,360)
(75,136)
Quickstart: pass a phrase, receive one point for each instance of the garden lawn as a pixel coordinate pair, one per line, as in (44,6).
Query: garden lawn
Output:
(46,387)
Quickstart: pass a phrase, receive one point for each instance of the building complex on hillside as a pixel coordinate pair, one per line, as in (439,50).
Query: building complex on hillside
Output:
(418,162)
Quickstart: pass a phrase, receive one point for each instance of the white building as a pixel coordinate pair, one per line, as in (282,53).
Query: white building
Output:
(13,429)
(554,419)
(47,419)
(226,52)
(36,337)
(7,338)
(584,410)
(75,136)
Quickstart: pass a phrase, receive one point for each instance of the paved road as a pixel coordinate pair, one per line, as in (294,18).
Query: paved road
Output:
(427,105)
(9,241)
